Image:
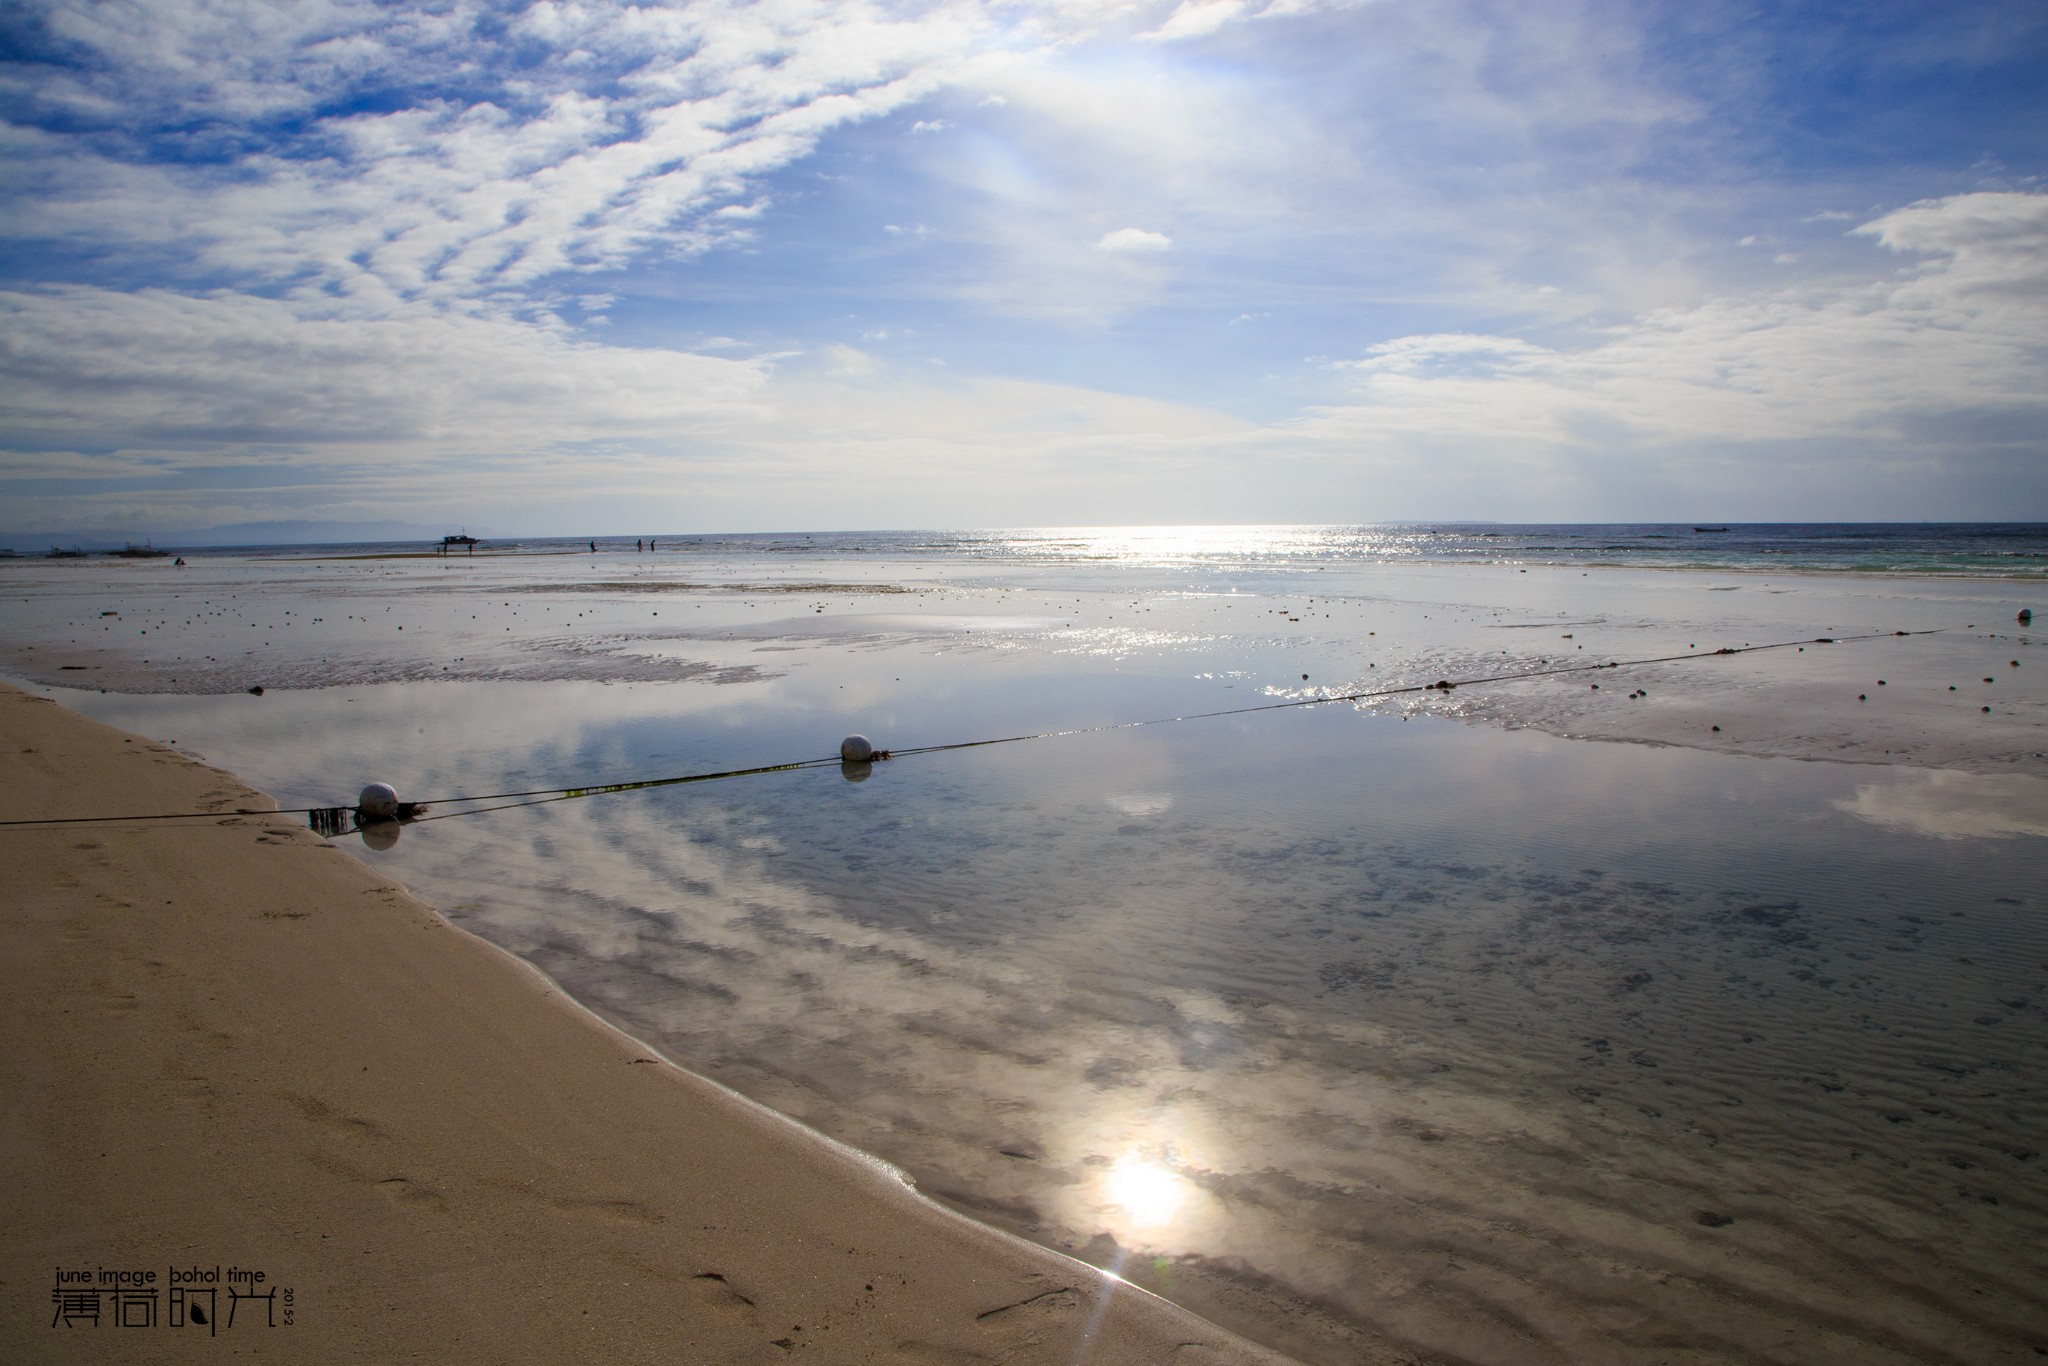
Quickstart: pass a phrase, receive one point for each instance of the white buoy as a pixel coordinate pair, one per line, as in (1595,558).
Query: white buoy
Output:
(379,801)
(855,749)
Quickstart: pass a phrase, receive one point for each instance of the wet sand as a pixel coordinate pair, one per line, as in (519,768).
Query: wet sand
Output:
(232,1049)
(1956,698)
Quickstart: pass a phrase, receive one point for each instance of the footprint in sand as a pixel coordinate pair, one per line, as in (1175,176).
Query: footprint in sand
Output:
(406,1191)
(713,1292)
(619,1211)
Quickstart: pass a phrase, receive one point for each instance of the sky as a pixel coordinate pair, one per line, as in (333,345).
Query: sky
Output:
(583,267)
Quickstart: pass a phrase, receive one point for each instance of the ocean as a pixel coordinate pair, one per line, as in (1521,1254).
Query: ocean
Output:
(1978,549)
(1677,1011)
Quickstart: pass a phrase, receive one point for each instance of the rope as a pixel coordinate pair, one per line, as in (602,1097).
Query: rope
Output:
(333,816)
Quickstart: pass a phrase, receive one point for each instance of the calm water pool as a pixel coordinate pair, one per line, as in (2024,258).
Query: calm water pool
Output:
(1344,1029)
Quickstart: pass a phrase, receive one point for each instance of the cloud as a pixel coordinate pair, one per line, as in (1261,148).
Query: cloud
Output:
(848,362)
(1201,18)
(1198,18)
(1934,371)
(153,366)
(927,450)
(1409,355)
(1334,153)
(1994,243)
(1134,240)
(574,138)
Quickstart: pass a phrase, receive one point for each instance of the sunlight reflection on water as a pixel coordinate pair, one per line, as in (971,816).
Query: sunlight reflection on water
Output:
(1147,1194)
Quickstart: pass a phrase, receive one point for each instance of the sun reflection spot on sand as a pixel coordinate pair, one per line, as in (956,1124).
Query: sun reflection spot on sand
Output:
(1145,1191)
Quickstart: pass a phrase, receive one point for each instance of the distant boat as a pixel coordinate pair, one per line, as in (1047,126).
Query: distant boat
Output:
(72,554)
(145,551)
(1708,530)
(448,543)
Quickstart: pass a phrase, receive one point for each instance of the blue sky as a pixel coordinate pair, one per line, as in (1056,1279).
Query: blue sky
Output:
(580,268)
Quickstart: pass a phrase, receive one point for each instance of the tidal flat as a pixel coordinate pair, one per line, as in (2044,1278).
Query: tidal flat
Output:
(1519,1021)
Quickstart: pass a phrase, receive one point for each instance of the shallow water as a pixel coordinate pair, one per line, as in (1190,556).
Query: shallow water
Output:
(1349,1028)
(1357,1001)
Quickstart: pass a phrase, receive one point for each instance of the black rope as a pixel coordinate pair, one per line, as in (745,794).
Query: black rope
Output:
(340,819)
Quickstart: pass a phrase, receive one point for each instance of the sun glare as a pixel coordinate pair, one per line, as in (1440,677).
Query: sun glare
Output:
(1145,1191)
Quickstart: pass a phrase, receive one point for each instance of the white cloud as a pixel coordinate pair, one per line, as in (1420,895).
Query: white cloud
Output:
(1408,355)
(648,140)
(848,362)
(233,371)
(1994,242)
(1198,18)
(1910,369)
(1134,240)
(931,451)
(1201,18)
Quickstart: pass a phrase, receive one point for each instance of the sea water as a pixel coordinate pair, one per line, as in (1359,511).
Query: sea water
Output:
(1357,1027)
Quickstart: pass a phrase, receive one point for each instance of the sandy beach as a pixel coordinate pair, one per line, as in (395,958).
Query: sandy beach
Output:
(233,1052)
